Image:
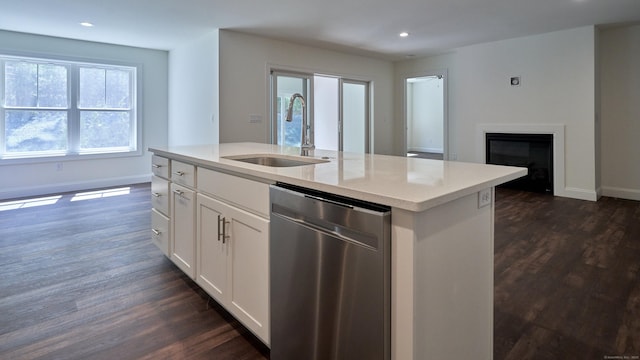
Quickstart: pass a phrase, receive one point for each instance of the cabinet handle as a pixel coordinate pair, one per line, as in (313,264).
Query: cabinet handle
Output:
(224,230)
(155,194)
(156,166)
(219,232)
(178,192)
(156,232)
(179,173)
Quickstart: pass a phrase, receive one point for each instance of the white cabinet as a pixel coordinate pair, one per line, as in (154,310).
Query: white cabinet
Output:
(160,231)
(160,194)
(212,250)
(183,207)
(233,261)
(160,202)
(215,227)
(160,166)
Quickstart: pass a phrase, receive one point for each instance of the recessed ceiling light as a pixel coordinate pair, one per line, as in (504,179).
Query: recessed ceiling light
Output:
(86,24)
(404,34)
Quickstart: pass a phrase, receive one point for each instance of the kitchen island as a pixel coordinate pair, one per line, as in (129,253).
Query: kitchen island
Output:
(441,233)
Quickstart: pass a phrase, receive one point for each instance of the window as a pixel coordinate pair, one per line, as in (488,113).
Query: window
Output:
(62,108)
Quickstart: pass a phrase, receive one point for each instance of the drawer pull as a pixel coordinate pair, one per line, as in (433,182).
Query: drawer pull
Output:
(179,173)
(155,194)
(156,166)
(220,233)
(156,232)
(178,192)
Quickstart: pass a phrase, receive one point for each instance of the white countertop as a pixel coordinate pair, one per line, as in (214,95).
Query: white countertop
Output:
(401,182)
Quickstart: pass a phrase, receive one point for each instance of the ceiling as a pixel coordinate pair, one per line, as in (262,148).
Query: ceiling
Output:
(360,26)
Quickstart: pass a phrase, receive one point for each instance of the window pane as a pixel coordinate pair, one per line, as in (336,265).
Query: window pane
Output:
(27,131)
(21,84)
(117,89)
(104,129)
(35,85)
(92,88)
(101,88)
(52,86)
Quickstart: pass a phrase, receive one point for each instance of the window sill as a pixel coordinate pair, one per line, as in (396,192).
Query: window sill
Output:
(40,158)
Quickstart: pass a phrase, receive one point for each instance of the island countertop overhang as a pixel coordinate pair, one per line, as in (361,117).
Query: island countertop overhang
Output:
(406,183)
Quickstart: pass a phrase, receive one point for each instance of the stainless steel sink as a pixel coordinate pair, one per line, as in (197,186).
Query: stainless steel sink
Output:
(275,160)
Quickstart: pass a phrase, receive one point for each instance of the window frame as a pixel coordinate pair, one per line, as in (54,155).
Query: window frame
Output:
(73,151)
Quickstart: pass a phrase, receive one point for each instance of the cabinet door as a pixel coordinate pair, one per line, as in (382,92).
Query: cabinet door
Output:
(212,249)
(183,238)
(249,270)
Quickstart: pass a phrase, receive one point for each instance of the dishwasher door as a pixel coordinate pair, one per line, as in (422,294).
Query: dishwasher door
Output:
(329,276)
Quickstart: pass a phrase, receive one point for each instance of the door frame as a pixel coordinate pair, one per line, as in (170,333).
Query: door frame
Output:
(445,103)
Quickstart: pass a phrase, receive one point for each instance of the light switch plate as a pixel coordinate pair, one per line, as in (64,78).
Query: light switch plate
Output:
(484,198)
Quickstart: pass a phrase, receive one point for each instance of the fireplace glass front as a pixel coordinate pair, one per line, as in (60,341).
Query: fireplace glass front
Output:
(533,151)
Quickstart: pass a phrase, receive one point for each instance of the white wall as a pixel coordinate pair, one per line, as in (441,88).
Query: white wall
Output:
(244,64)
(620,116)
(43,178)
(194,92)
(558,87)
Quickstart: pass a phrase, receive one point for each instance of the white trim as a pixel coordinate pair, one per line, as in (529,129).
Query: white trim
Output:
(557,130)
(581,194)
(73,186)
(425,149)
(622,193)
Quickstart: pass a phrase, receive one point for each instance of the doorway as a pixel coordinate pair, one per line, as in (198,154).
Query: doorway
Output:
(337,111)
(426,116)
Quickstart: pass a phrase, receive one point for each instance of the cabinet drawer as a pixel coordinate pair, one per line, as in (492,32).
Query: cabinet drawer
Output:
(160,231)
(248,194)
(183,174)
(160,194)
(160,166)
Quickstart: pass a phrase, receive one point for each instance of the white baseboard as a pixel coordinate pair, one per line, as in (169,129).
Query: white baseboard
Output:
(576,193)
(425,149)
(72,186)
(622,193)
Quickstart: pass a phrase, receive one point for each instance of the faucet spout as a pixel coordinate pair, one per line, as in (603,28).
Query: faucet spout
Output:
(305,142)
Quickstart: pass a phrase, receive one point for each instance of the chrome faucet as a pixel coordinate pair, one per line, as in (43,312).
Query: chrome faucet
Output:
(305,144)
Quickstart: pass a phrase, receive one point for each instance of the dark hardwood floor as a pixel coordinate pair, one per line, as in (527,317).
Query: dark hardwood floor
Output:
(567,277)
(81,280)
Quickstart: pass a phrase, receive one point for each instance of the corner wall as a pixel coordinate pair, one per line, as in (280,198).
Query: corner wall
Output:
(620,111)
(557,71)
(194,92)
(245,61)
(44,178)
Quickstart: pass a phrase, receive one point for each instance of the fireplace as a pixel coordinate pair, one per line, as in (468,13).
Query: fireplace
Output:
(533,151)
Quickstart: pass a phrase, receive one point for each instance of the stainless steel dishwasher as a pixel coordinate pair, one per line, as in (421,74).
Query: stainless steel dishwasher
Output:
(330,276)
